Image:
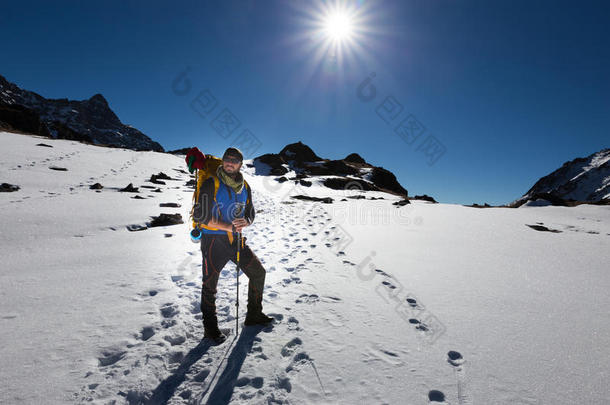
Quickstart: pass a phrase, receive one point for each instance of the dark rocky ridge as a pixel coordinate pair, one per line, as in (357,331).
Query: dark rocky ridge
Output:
(182,151)
(352,172)
(90,121)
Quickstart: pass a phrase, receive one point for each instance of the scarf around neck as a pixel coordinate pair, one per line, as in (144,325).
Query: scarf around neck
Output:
(236,184)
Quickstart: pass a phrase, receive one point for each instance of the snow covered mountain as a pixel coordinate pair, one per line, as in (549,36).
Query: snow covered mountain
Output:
(374,303)
(89,120)
(581,179)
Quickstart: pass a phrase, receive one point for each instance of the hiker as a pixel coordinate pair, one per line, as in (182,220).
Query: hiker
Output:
(222,213)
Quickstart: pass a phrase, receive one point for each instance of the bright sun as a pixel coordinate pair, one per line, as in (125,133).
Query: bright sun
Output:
(338,26)
(336,35)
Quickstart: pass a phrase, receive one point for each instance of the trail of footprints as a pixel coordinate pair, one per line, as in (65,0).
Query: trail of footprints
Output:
(163,347)
(300,359)
(174,334)
(456,361)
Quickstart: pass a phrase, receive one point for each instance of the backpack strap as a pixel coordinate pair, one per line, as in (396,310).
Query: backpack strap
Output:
(198,187)
(230,234)
(196,199)
(216,185)
(247,186)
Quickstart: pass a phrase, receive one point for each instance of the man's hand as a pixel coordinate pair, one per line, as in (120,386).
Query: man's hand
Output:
(240,223)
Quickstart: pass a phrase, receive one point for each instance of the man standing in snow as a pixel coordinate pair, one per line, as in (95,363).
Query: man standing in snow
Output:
(224,209)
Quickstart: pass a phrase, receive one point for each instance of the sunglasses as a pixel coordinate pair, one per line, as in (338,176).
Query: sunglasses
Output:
(232,160)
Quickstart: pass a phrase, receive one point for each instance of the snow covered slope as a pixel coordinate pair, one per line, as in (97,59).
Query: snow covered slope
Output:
(581,179)
(420,304)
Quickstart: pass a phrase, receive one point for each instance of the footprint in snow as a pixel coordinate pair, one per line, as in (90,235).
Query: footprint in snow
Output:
(412,302)
(110,357)
(291,346)
(290,280)
(293,324)
(307,298)
(169,312)
(202,375)
(383,273)
(418,324)
(256,382)
(455,358)
(147,332)
(298,361)
(195,307)
(175,340)
(436,396)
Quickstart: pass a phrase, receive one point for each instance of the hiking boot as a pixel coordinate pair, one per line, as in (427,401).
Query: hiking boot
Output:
(214,334)
(257,318)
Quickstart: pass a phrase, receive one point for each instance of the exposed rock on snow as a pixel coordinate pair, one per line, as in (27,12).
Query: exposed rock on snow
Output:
(348,183)
(136,227)
(166,219)
(325,200)
(350,173)
(426,197)
(7,188)
(543,228)
(130,189)
(402,202)
(171,205)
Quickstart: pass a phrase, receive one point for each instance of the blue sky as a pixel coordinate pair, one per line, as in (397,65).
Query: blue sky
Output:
(507,91)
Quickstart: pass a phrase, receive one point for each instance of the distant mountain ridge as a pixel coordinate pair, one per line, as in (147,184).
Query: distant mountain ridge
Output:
(89,120)
(582,179)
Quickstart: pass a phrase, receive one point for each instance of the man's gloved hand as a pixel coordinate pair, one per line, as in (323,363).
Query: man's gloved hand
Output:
(195,159)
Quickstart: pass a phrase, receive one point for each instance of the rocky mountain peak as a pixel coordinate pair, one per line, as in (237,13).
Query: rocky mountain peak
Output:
(299,152)
(98,99)
(90,120)
(354,158)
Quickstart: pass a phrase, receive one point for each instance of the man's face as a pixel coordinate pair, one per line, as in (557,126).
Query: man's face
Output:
(231,164)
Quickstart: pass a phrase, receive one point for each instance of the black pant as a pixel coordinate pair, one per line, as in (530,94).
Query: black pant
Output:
(217,251)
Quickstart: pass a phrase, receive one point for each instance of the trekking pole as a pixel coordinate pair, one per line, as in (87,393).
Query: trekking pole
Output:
(240,213)
(237,301)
